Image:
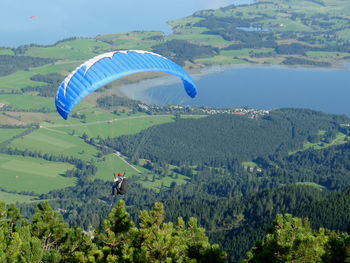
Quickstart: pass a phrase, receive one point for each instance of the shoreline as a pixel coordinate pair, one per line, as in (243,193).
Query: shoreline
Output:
(138,90)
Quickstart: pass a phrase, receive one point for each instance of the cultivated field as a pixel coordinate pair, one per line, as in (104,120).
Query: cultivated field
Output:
(56,143)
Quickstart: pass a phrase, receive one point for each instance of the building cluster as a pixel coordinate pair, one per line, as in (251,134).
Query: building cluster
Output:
(179,109)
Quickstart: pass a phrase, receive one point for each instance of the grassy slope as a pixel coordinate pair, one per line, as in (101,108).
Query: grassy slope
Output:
(32,174)
(14,198)
(51,142)
(341,138)
(113,163)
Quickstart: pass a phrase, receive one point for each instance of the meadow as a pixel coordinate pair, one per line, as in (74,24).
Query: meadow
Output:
(114,164)
(137,40)
(340,138)
(11,198)
(22,78)
(72,50)
(26,174)
(26,102)
(321,187)
(114,127)
(6,134)
(56,143)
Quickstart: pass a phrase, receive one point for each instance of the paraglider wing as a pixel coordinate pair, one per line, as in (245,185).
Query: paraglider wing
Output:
(110,66)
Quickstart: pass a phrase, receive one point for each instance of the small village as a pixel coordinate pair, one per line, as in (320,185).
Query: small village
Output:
(179,109)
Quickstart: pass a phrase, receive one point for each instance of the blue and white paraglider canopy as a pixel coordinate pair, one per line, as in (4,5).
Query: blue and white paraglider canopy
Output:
(110,66)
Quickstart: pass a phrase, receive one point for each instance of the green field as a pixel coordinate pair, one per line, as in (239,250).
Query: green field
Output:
(56,143)
(21,78)
(132,40)
(184,21)
(32,174)
(311,184)
(78,49)
(113,163)
(10,198)
(341,138)
(195,35)
(158,183)
(28,117)
(25,102)
(115,128)
(235,57)
(17,80)
(220,60)
(6,51)
(8,120)
(6,134)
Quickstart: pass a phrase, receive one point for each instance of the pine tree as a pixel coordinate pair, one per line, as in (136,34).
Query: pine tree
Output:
(49,239)
(291,239)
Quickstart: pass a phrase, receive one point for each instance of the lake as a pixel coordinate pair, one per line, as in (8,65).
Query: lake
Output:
(260,87)
(45,22)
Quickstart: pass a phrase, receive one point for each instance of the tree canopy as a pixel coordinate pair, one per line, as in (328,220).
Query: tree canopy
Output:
(49,239)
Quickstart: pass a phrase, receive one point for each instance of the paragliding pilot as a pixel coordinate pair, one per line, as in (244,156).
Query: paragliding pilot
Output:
(120,183)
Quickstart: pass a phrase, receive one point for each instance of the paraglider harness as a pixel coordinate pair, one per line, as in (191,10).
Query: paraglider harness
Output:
(121,184)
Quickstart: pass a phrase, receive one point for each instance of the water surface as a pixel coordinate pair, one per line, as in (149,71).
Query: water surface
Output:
(261,87)
(47,21)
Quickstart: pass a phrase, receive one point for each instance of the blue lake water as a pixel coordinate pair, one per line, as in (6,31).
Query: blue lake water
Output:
(326,90)
(45,22)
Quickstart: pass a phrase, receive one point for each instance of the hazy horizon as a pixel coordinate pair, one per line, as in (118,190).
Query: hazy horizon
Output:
(46,22)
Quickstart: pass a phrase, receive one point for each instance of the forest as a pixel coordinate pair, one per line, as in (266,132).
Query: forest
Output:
(233,202)
(232,216)
(223,139)
(291,239)
(49,239)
